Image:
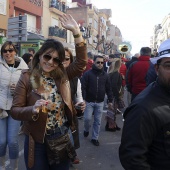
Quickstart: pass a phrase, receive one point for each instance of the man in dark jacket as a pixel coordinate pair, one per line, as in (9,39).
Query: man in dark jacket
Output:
(95,83)
(145,143)
(151,74)
(134,58)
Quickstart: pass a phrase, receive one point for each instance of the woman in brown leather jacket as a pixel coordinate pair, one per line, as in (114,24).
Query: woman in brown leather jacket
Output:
(48,76)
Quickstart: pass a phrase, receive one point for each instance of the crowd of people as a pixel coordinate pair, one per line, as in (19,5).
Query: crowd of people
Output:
(42,93)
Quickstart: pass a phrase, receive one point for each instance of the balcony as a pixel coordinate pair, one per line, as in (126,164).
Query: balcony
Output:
(57,32)
(58,7)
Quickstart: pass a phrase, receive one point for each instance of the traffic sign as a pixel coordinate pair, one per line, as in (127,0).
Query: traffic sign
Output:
(17,28)
(15,39)
(17,19)
(16,33)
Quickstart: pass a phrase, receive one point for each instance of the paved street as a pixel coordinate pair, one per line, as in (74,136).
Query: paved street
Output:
(103,157)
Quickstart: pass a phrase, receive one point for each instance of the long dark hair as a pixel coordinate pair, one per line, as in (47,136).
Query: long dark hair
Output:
(54,46)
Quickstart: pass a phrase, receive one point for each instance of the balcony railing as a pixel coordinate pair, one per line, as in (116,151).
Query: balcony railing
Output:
(58,32)
(58,5)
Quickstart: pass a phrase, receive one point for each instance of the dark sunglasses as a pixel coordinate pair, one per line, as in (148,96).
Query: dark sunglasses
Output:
(48,58)
(99,62)
(67,59)
(10,51)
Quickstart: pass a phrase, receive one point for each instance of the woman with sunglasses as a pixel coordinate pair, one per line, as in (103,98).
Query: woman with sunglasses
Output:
(51,116)
(10,70)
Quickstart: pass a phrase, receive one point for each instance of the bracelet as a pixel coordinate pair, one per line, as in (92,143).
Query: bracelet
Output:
(76,36)
(81,44)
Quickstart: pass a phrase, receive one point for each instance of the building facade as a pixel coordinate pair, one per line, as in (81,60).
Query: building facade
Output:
(4,14)
(161,32)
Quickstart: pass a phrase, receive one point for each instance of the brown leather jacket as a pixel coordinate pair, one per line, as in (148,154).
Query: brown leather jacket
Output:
(25,98)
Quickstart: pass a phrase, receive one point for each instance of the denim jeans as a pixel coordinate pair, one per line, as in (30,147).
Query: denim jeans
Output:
(97,109)
(40,158)
(9,136)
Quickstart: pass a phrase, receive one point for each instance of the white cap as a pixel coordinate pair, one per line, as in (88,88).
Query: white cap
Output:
(163,51)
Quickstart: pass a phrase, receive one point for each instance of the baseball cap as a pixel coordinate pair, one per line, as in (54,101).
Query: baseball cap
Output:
(163,51)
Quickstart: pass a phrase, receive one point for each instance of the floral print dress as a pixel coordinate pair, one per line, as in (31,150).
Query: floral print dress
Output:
(56,116)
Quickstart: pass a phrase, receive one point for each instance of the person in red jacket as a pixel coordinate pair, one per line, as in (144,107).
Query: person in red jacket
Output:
(122,71)
(137,72)
(90,62)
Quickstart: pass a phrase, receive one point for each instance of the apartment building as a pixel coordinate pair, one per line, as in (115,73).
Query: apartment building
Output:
(51,27)
(4,13)
(161,32)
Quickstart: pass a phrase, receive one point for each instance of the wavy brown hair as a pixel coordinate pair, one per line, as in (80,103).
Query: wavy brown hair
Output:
(115,65)
(70,53)
(49,45)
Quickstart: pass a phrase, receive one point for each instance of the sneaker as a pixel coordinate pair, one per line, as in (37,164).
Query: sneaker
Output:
(86,134)
(95,142)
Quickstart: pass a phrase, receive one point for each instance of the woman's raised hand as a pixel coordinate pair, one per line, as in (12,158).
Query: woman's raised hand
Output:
(68,22)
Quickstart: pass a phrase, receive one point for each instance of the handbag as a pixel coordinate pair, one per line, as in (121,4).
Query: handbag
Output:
(59,149)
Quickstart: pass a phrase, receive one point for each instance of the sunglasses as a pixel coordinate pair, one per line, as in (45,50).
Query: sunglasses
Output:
(66,59)
(99,62)
(47,57)
(10,51)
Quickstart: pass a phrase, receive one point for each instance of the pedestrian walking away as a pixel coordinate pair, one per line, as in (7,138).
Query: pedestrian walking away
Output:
(137,71)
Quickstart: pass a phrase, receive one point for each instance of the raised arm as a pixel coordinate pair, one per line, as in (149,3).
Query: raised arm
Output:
(68,22)
(79,65)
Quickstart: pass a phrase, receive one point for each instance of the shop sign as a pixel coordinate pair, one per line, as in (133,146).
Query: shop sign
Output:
(29,45)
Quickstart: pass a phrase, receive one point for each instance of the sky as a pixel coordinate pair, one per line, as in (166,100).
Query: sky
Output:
(135,18)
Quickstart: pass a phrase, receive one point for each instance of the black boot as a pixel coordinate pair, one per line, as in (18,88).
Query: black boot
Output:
(109,129)
(117,128)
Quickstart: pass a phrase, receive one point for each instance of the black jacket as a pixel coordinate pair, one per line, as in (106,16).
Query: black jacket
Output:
(151,74)
(145,143)
(116,84)
(131,61)
(95,83)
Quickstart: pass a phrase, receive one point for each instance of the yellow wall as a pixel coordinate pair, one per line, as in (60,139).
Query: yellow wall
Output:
(4,18)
